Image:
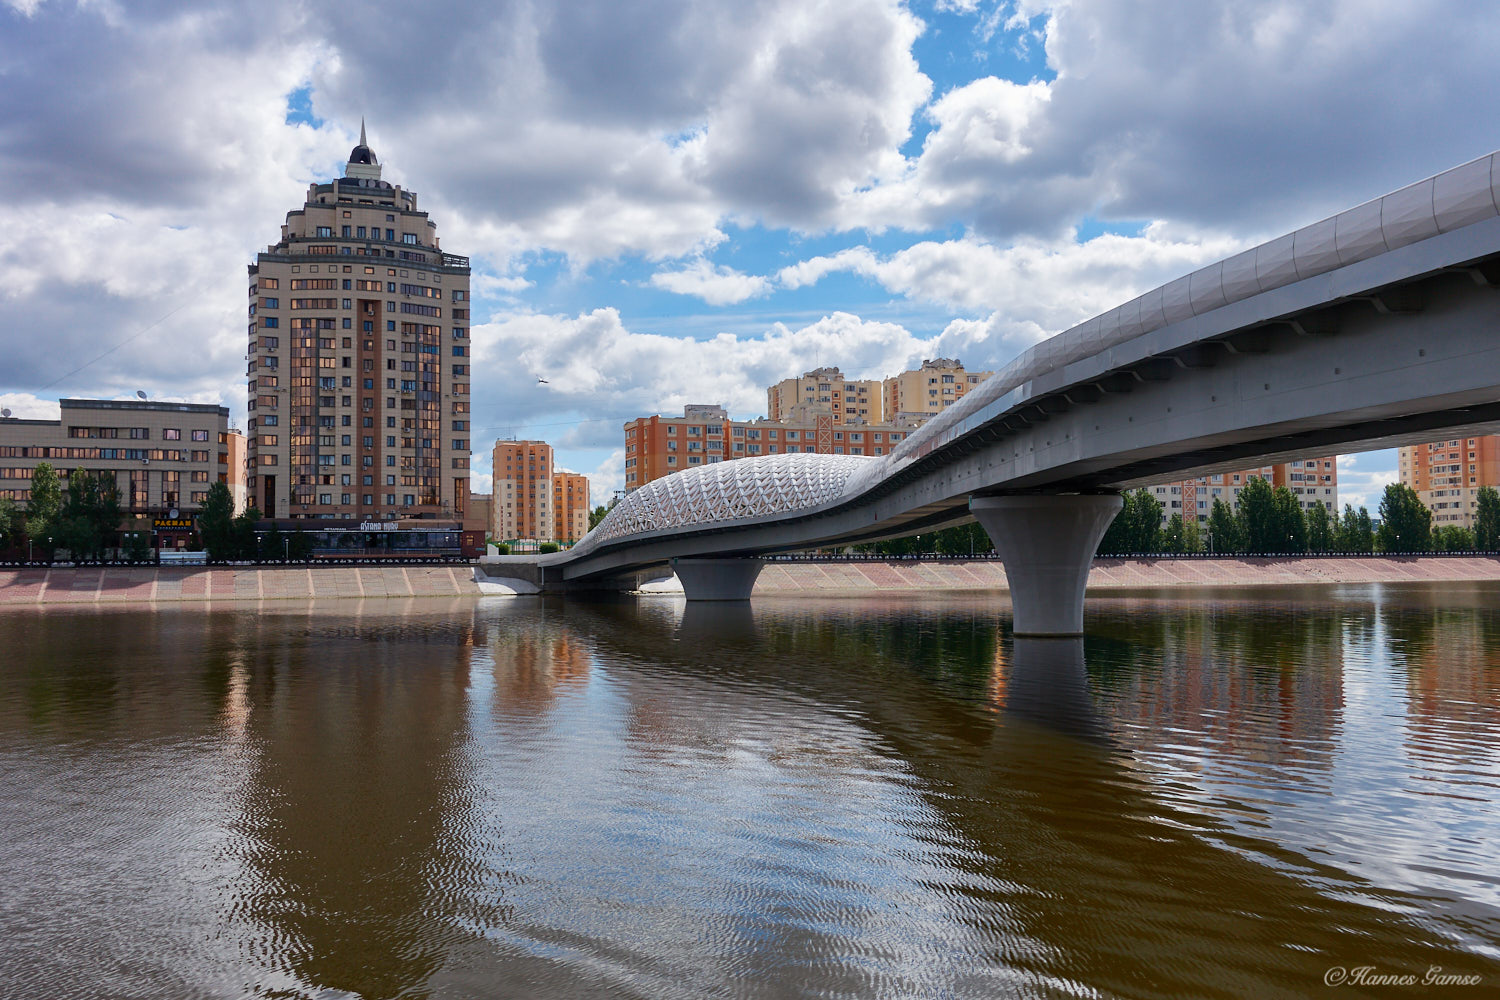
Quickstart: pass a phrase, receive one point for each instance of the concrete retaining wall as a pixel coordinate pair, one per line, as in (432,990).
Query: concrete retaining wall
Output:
(112,585)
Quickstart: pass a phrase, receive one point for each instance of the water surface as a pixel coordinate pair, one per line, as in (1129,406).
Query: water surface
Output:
(1216,794)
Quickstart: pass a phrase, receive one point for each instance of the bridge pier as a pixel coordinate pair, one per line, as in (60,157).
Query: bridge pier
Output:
(1047,544)
(717,579)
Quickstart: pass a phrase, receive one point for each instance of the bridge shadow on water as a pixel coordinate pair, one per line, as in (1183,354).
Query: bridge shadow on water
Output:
(1091,869)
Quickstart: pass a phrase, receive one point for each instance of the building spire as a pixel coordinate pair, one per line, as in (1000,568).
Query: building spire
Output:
(362,141)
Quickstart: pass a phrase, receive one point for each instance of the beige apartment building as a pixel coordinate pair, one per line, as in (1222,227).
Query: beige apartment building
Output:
(658,446)
(359,358)
(523,492)
(849,401)
(1447,475)
(1311,480)
(570,506)
(917,394)
(162,456)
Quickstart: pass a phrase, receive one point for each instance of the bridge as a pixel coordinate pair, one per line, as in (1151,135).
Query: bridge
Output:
(1373,328)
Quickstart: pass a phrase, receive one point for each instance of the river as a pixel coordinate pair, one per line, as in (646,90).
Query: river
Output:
(1236,793)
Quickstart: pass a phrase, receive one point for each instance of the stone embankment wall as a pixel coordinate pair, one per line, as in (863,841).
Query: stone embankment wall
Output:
(114,585)
(863,577)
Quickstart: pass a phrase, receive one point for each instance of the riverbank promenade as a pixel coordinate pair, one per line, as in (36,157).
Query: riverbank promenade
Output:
(87,585)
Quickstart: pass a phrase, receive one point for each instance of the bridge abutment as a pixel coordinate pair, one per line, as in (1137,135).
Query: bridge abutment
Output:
(1047,544)
(717,579)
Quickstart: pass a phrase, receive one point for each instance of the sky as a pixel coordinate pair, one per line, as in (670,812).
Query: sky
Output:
(671,202)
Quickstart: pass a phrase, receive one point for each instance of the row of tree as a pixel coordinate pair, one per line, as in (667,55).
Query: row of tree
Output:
(231,537)
(83,519)
(1270,519)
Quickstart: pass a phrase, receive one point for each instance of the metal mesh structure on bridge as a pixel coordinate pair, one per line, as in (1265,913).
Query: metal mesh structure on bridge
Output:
(726,491)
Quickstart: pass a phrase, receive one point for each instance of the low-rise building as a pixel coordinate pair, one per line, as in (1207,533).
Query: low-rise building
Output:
(162,456)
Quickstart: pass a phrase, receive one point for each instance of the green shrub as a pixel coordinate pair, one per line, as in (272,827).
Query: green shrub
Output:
(546,547)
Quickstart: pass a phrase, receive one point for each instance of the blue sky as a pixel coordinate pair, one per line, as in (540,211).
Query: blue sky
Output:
(675,202)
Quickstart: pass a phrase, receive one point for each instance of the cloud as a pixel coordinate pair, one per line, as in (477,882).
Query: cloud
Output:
(1051,286)
(718,286)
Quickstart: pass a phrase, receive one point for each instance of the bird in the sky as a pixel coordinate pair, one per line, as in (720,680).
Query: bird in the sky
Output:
(543,381)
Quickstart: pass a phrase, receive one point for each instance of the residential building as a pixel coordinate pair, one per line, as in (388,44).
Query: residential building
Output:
(1311,480)
(523,491)
(915,395)
(359,358)
(1447,475)
(849,401)
(162,456)
(570,506)
(657,446)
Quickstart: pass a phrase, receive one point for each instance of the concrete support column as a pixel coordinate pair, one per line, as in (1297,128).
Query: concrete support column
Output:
(1047,544)
(717,579)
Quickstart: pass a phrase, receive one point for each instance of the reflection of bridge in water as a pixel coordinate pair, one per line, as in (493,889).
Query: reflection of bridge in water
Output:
(1369,329)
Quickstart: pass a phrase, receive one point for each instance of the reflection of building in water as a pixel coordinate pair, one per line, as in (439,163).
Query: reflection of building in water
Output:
(1267,689)
(358,816)
(1452,661)
(531,666)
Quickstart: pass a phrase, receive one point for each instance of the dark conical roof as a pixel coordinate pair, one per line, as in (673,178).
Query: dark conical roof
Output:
(362,153)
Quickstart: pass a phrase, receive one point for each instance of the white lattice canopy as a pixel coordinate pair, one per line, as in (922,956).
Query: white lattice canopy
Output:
(724,491)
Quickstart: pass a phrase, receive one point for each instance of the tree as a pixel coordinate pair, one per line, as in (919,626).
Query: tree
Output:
(216,524)
(242,541)
(90,514)
(1320,529)
(1405,522)
(44,506)
(1487,520)
(1260,525)
(1173,539)
(1224,528)
(274,546)
(1291,525)
(1452,538)
(299,543)
(12,523)
(1137,528)
(596,515)
(1356,532)
(1192,535)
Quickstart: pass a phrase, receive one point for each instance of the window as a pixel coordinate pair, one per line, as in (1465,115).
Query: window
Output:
(325,231)
(171,434)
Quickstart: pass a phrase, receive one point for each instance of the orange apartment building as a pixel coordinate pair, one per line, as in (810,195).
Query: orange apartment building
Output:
(1311,480)
(523,492)
(570,506)
(850,401)
(1447,475)
(658,446)
(921,392)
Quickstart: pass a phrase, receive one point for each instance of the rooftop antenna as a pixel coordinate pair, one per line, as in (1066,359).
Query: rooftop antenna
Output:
(140,393)
(5,413)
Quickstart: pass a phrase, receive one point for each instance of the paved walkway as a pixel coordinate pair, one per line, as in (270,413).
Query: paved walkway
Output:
(113,585)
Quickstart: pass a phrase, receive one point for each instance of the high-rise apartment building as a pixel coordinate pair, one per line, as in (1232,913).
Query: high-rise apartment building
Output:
(1311,480)
(570,506)
(658,446)
(1447,475)
(359,358)
(849,401)
(523,491)
(921,392)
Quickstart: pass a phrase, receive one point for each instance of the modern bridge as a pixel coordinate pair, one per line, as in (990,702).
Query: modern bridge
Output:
(1377,327)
